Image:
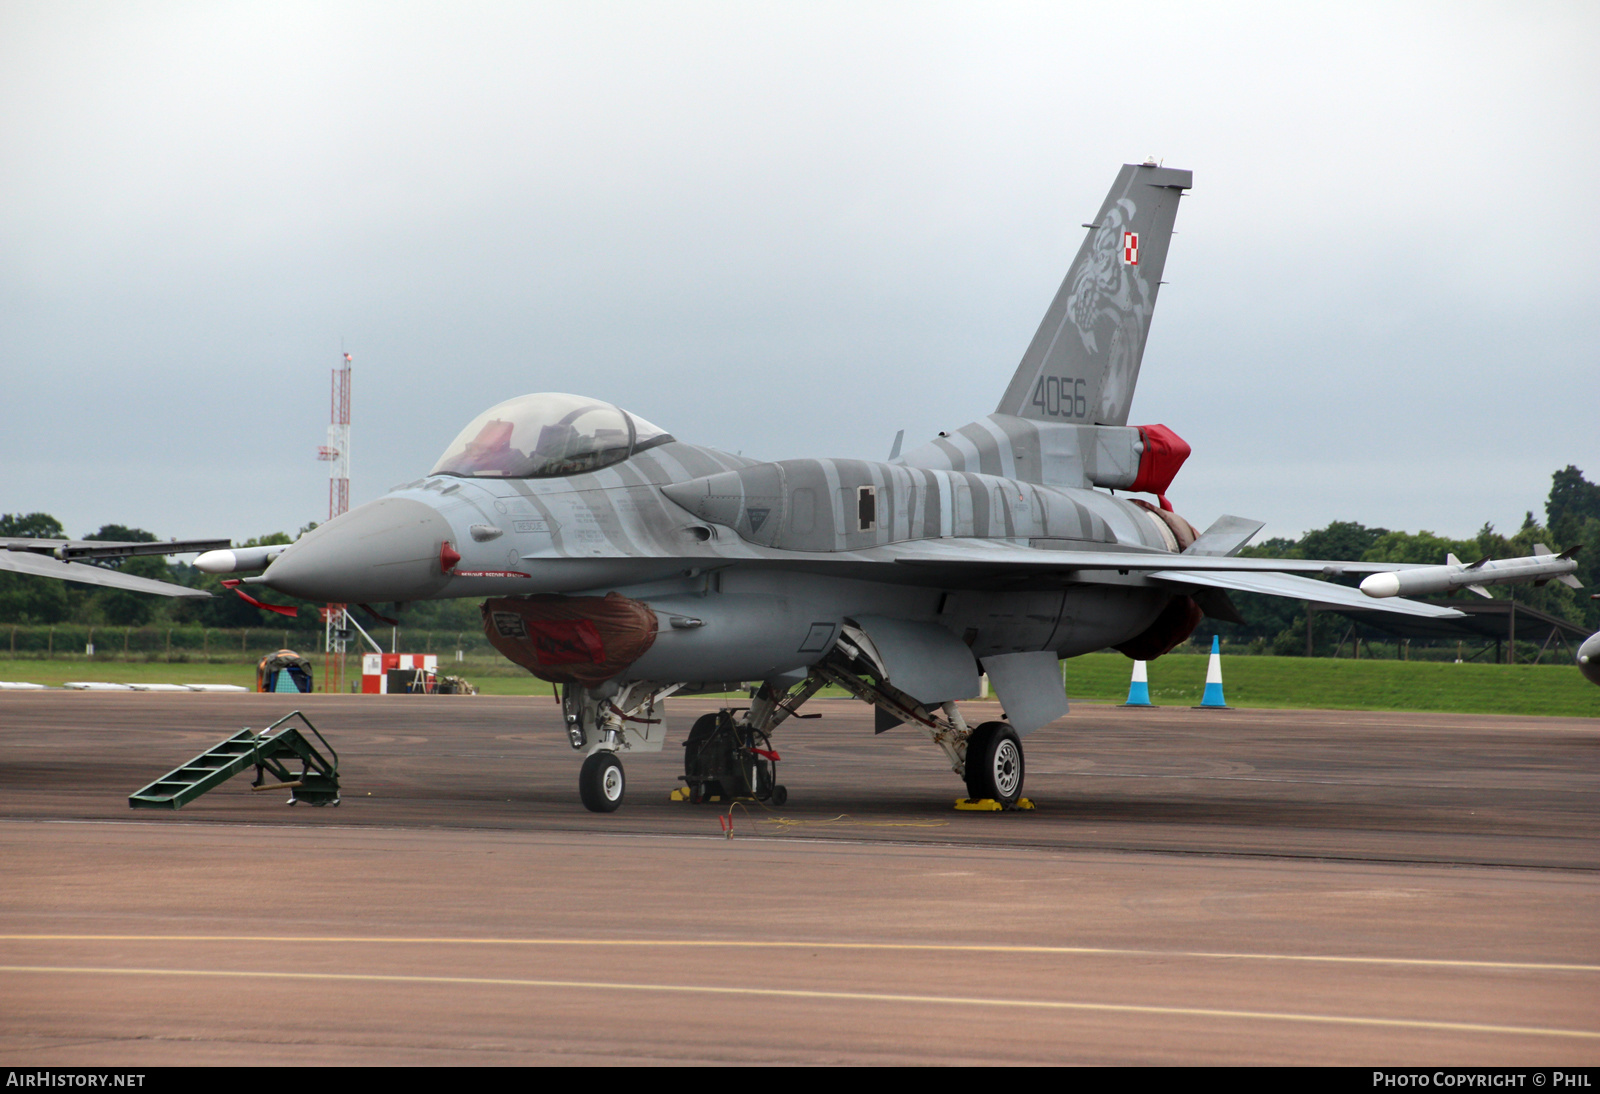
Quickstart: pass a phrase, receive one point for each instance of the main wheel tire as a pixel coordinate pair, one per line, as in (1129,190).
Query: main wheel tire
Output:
(601,783)
(994,763)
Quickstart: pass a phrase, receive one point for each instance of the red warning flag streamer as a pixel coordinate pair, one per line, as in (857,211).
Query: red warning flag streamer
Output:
(233,583)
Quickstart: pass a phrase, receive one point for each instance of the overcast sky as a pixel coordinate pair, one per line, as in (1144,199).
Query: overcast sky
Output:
(789,230)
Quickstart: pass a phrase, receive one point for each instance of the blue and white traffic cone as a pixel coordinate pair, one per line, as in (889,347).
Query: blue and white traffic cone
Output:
(1139,688)
(1212,699)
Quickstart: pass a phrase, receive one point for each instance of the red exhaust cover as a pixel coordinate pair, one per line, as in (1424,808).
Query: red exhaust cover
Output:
(1164,453)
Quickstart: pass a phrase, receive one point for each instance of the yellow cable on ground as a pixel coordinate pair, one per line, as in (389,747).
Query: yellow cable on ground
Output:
(842,820)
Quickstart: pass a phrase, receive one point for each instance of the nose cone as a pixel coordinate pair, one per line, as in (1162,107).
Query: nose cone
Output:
(385,550)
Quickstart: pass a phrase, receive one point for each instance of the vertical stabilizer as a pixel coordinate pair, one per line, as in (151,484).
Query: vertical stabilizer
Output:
(1083,363)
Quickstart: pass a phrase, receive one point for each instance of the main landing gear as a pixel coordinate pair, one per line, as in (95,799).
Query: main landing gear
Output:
(988,758)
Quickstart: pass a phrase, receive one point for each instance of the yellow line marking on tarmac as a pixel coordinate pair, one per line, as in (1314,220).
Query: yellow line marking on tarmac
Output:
(929,947)
(845,996)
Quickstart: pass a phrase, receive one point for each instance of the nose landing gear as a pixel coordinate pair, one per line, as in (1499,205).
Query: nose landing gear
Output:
(607,720)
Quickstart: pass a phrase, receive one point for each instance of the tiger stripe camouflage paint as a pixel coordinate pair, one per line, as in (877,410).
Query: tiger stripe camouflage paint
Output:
(762,584)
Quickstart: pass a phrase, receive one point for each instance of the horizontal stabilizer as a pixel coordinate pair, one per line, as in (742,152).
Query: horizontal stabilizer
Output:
(21,562)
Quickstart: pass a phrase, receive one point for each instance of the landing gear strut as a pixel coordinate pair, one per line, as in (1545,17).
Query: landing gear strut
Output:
(854,665)
(988,758)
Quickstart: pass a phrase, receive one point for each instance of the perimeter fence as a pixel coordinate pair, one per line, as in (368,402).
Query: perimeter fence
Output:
(222,645)
(78,642)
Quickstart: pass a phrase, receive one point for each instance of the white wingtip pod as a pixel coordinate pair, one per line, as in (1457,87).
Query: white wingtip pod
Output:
(1380,585)
(239,559)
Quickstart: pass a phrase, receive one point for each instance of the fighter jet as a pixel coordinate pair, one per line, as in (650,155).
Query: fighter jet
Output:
(625,565)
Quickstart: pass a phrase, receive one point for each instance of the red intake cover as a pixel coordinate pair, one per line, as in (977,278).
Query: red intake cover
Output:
(570,639)
(1164,453)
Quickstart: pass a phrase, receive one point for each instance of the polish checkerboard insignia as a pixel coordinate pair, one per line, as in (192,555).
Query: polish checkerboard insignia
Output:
(1130,248)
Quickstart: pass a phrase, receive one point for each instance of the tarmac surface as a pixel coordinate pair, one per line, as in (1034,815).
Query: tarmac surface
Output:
(1206,887)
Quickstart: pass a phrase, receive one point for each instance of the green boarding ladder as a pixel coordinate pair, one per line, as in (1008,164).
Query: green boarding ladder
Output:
(272,750)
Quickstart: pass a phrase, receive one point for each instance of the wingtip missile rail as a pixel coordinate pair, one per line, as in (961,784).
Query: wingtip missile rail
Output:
(1539,567)
(239,559)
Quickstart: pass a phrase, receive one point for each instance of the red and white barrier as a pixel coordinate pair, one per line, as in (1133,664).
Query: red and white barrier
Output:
(376,667)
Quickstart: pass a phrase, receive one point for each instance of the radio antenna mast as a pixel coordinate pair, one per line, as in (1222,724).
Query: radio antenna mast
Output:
(337,450)
(336,627)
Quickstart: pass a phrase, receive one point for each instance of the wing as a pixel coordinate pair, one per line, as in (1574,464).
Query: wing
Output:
(976,553)
(1301,588)
(67,549)
(1268,576)
(41,563)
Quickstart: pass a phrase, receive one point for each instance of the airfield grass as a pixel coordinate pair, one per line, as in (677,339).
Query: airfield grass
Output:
(1326,684)
(54,673)
(1175,680)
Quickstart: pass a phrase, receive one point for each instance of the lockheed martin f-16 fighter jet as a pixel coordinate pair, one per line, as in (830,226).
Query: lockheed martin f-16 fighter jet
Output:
(624,565)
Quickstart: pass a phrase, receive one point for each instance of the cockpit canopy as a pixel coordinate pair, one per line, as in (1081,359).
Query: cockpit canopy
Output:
(545,436)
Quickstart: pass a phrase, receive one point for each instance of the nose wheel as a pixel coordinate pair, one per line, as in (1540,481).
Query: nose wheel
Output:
(601,783)
(994,763)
